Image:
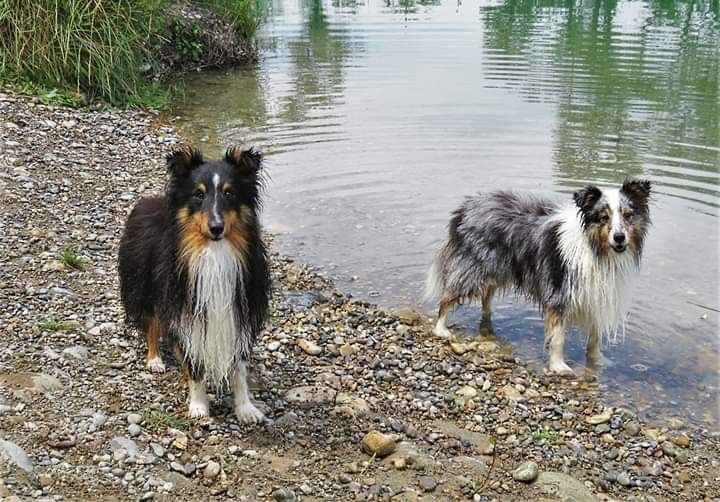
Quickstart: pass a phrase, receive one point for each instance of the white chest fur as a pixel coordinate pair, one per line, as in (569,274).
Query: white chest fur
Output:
(599,287)
(213,328)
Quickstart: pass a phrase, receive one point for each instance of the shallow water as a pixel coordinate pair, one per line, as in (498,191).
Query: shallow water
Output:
(378,117)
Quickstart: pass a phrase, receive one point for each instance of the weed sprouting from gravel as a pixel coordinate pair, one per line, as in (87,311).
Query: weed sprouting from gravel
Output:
(53,325)
(72,259)
(162,420)
(538,436)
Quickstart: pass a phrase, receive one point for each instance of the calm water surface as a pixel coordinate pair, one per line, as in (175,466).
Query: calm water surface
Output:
(378,117)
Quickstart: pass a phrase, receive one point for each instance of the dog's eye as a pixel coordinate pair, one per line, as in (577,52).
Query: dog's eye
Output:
(229,194)
(199,194)
(628,214)
(604,218)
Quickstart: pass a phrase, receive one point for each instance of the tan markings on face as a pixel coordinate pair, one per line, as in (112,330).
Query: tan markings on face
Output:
(194,233)
(600,235)
(226,187)
(202,187)
(237,224)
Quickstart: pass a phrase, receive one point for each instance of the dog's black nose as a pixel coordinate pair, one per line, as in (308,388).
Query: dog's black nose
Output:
(619,237)
(216,230)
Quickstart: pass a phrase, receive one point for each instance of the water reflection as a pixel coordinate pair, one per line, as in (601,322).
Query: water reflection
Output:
(636,85)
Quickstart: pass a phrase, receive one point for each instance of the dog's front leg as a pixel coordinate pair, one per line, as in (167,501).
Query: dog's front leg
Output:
(245,411)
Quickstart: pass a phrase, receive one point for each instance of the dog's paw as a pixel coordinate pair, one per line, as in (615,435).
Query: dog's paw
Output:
(156,365)
(198,409)
(442,332)
(247,413)
(560,368)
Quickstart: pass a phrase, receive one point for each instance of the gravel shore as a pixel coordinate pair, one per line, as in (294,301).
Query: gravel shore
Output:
(362,403)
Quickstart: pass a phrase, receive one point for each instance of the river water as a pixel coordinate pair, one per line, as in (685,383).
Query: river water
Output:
(378,117)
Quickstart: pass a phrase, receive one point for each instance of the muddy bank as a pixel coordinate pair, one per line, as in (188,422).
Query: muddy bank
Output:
(80,418)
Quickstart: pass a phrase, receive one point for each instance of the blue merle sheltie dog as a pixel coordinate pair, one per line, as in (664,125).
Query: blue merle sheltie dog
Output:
(576,261)
(193,268)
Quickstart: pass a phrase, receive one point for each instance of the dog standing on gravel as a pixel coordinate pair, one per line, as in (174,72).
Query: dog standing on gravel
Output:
(193,266)
(576,261)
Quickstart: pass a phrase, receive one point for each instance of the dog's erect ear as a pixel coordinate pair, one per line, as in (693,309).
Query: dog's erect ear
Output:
(587,197)
(637,191)
(248,162)
(183,159)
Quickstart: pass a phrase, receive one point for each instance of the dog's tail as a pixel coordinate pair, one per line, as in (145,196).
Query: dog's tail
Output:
(435,281)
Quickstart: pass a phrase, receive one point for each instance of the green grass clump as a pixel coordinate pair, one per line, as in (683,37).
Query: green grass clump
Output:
(538,436)
(71,258)
(162,420)
(244,15)
(53,325)
(93,48)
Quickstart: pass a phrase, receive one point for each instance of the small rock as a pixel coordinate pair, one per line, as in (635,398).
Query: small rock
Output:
(676,423)
(147,496)
(632,429)
(273,346)
(603,417)
(510,392)
(526,472)
(212,469)
(134,418)
(379,444)
(134,430)
(624,479)
(347,350)
(16,455)
(682,440)
(121,443)
(77,352)
(467,391)
(427,483)
(344,478)
(460,348)
(284,495)
(189,469)
(45,480)
(309,347)
(310,395)
(181,440)
(157,449)
(177,467)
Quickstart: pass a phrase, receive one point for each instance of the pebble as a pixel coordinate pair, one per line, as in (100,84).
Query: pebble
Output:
(526,472)
(134,430)
(601,418)
(212,469)
(379,444)
(467,391)
(273,346)
(284,495)
(427,483)
(134,418)
(309,347)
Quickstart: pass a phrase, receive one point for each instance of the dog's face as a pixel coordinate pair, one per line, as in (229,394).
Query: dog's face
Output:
(214,200)
(615,220)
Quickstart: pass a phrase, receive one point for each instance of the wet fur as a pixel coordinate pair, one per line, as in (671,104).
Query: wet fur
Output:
(209,297)
(558,256)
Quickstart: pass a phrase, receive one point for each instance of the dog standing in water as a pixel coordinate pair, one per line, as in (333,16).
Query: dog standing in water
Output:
(193,266)
(576,261)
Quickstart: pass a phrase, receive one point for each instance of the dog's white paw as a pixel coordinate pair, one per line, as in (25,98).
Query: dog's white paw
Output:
(156,365)
(247,413)
(198,409)
(442,332)
(560,368)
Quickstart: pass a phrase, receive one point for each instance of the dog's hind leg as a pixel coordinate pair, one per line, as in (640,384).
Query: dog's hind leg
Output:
(245,410)
(154,332)
(555,342)
(486,328)
(441,328)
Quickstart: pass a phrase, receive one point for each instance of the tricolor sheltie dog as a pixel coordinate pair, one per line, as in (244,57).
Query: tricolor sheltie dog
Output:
(576,261)
(193,267)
